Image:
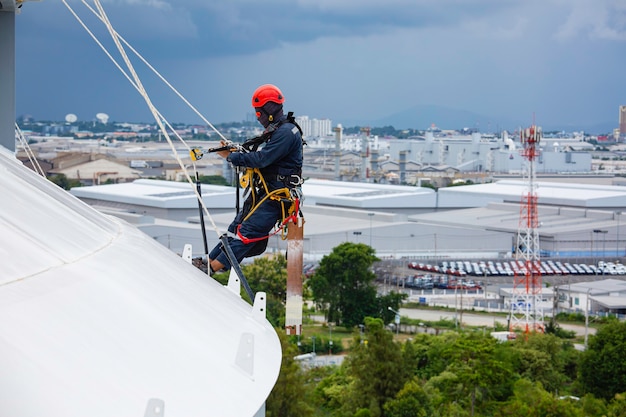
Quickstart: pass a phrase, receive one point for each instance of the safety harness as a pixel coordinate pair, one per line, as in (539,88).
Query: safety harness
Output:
(288,196)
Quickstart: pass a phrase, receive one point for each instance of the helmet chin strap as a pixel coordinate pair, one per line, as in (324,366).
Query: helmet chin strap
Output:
(271,115)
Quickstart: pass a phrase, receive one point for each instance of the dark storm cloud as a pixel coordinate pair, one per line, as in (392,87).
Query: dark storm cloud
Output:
(562,59)
(226,28)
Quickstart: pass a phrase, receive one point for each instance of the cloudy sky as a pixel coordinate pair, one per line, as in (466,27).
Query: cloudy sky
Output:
(353,61)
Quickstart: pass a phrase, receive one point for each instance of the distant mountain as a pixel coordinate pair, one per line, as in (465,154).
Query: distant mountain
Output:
(423,116)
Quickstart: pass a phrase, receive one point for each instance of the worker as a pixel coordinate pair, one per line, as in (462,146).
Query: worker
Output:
(279,161)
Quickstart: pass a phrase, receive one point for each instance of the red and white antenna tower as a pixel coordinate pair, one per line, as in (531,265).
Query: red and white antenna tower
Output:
(526,310)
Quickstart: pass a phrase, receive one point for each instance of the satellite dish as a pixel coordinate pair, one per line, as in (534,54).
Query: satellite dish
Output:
(102,118)
(70,118)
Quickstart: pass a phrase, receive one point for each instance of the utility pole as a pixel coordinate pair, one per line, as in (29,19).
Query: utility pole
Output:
(555,307)
(330,338)
(617,252)
(461,309)
(397,319)
(587,318)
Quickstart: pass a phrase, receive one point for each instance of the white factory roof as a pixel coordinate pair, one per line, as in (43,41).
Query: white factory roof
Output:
(414,214)
(366,195)
(548,193)
(158,193)
(610,293)
(611,302)
(601,287)
(358,195)
(168,194)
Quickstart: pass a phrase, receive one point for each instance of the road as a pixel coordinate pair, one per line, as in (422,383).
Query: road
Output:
(472,319)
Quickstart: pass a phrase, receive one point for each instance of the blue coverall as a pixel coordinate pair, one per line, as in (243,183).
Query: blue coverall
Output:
(280,156)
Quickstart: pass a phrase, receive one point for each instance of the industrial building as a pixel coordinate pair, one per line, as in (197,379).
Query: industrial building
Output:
(438,158)
(600,297)
(473,221)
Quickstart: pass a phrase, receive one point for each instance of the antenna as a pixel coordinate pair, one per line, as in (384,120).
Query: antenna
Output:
(526,310)
(102,118)
(70,118)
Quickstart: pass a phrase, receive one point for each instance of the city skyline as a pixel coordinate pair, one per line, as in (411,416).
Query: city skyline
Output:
(357,63)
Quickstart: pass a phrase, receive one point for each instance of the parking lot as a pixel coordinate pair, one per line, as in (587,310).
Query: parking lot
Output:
(474,275)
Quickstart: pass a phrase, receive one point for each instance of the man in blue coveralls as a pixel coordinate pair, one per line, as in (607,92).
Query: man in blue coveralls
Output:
(280,163)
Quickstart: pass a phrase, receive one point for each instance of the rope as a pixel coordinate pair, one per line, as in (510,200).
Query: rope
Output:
(115,62)
(161,77)
(136,82)
(29,152)
(293,217)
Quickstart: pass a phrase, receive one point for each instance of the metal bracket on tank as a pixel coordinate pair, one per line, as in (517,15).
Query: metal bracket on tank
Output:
(187,253)
(245,354)
(260,305)
(155,408)
(234,283)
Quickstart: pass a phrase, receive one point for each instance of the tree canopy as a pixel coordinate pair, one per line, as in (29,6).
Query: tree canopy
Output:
(603,364)
(270,276)
(344,284)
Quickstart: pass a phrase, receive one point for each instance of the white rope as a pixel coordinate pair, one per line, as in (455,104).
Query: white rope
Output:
(119,67)
(161,77)
(29,152)
(136,82)
(154,111)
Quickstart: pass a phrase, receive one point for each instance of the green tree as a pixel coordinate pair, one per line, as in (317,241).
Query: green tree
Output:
(545,358)
(332,391)
(213,179)
(430,349)
(288,395)
(410,358)
(617,407)
(376,368)
(593,406)
(344,283)
(442,389)
(270,276)
(411,401)
(476,376)
(603,364)
(62,181)
(530,399)
(391,300)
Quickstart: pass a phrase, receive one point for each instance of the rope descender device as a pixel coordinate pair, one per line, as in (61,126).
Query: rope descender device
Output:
(196,154)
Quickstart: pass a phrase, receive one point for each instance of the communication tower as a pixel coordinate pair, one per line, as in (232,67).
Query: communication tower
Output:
(526,310)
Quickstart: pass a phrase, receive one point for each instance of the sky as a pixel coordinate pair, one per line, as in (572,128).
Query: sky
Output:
(356,62)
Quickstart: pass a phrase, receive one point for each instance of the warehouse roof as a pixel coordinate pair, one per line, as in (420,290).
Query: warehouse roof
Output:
(548,193)
(158,193)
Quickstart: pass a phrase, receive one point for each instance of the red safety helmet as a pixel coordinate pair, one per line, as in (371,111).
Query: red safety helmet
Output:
(265,93)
